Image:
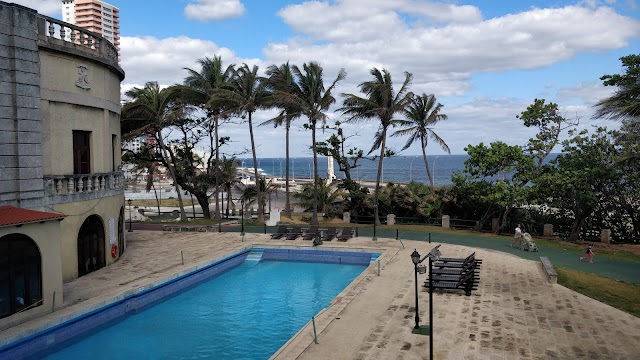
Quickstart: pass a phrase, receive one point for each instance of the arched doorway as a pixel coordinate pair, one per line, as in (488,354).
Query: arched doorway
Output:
(121,232)
(91,245)
(20,274)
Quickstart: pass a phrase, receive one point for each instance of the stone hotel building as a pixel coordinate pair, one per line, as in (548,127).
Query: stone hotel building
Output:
(61,184)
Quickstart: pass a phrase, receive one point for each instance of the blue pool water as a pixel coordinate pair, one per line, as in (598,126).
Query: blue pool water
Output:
(248,312)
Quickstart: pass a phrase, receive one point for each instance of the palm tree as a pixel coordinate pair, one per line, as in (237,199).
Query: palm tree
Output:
(156,109)
(247,94)
(213,75)
(282,80)
(383,103)
(250,192)
(228,179)
(309,97)
(329,198)
(422,113)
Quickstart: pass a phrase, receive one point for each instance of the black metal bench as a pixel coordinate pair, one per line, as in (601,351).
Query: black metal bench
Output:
(458,264)
(455,273)
(464,282)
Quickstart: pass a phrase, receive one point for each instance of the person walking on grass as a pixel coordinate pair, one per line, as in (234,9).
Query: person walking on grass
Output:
(517,236)
(589,255)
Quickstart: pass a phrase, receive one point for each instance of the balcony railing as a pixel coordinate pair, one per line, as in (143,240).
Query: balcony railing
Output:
(69,188)
(55,31)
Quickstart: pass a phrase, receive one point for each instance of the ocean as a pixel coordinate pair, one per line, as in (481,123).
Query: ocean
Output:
(398,169)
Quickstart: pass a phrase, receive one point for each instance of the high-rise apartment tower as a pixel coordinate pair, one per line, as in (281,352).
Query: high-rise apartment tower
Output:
(96,16)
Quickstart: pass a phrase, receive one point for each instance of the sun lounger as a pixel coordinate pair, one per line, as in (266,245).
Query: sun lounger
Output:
(329,234)
(295,232)
(311,233)
(347,233)
(282,231)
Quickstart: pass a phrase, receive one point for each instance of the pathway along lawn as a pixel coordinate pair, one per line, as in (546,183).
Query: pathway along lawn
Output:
(560,256)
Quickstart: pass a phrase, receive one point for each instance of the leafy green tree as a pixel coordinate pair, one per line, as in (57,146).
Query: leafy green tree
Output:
(550,125)
(381,102)
(347,160)
(155,109)
(624,105)
(422,114)
(504,171)
(212,75)
(582,177)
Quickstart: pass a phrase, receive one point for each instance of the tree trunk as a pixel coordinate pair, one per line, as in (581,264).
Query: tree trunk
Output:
(152,170)
(314,216)
(217,173)
(426,163)
(377,191)
(287,201)
(505,215)
(203,200)
(576,228)
(172,171)
(255,172)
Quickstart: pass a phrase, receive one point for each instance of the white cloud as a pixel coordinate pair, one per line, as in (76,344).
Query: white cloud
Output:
(46,7)
(357,37)
(163,60)
(214,10)
(588,92)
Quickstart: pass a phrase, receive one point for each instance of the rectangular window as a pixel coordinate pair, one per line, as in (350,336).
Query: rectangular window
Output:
(81,152)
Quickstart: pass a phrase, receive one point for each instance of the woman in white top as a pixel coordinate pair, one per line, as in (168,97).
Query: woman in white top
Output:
(517,236)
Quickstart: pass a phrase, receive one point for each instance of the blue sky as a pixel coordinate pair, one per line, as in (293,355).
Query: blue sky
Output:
(486,61)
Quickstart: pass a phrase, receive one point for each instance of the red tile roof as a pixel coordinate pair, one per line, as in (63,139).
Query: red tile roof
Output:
(11,215)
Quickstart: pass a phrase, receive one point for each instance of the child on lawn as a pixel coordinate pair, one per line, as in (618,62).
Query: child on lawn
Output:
(589,254)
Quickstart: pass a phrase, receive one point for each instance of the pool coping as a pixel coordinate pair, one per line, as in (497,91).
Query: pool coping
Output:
(80,311)
(304,338)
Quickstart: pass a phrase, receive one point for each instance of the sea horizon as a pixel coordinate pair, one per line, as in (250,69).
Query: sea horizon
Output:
(396,169)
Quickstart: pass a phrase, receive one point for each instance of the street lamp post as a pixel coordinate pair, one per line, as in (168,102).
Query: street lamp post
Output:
(375,220)
(129,202)
(434,254)
(415,258)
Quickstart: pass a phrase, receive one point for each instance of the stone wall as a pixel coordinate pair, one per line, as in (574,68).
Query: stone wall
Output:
(20,118)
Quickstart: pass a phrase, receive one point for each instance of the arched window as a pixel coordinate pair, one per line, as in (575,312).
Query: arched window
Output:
(20,274)
(91,245)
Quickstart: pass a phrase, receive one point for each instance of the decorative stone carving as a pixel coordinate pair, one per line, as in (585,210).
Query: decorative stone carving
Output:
(83,77)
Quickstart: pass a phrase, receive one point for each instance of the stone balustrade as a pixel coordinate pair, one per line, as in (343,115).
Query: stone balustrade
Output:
(70,188)
(56,32)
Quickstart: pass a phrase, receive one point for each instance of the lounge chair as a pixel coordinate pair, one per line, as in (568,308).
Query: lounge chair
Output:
(311,233)
(347,233)
(282,231)
(295,232)
(329,234)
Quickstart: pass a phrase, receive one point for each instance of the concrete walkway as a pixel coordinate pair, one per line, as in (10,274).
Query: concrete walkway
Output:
(515,314)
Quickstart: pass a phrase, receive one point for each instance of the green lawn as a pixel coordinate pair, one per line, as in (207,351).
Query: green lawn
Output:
(620,295)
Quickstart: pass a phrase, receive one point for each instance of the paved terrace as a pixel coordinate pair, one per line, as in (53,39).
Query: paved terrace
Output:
(515,314)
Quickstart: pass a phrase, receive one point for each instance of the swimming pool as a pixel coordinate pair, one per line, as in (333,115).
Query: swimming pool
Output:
(247,308)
